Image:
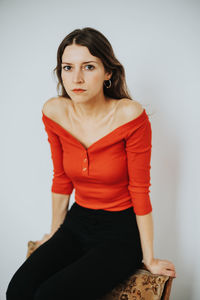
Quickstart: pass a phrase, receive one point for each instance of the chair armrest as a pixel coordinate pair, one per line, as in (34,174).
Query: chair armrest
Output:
(167,289)
(132,286)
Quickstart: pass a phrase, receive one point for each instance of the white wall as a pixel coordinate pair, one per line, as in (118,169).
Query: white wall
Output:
(158,44)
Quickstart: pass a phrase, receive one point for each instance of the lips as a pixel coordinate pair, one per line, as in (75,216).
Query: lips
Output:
(78,90)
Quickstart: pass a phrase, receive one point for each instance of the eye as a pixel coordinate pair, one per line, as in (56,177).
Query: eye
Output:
(90,66)
(86,66)
(65,67)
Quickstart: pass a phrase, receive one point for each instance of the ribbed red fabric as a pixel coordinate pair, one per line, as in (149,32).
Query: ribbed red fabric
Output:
(112,174)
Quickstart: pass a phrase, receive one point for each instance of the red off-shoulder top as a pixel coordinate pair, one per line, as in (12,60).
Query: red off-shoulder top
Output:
(112,174)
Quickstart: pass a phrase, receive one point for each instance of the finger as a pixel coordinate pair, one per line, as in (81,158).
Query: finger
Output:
(171,264)
(171,268)
(167,273)
(168,264)
(171,273)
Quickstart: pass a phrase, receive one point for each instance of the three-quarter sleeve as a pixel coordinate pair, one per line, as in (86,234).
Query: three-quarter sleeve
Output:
(138,148)
(61,183)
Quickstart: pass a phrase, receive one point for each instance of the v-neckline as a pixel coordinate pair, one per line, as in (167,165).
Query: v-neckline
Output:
(102,138)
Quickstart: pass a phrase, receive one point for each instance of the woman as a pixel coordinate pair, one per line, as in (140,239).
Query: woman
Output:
(100,143)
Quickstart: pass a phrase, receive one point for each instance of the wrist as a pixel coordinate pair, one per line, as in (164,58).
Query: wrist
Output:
(148,261)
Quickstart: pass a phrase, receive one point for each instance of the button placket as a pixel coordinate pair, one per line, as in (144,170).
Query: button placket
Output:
(85,163)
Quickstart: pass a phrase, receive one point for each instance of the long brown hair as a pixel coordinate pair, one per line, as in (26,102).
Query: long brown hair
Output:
(99,46)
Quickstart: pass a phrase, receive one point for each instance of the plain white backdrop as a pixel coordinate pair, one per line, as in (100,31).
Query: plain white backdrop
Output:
(158,44)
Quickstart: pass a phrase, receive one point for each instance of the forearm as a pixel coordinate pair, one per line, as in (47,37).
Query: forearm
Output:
(60,205)
(145,226)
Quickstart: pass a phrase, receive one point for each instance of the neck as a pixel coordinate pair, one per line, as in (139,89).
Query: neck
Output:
(93,109)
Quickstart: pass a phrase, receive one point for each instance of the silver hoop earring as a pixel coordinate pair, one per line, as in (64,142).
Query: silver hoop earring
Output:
(109,85)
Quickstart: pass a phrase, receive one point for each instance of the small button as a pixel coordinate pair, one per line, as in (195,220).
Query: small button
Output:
(84,169)
(85,159)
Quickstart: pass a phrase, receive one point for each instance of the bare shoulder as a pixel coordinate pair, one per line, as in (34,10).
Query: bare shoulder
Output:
(53,106)
(130,109)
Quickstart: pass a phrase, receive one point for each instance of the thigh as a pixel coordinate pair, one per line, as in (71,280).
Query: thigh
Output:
(94,274)
(59,251)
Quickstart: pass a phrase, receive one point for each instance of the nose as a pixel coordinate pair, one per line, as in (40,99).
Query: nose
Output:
(78,76)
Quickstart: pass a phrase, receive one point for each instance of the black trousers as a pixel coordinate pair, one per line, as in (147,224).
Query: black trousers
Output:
(90,253)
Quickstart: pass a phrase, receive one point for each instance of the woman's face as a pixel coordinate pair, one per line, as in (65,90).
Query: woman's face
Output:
(81,70)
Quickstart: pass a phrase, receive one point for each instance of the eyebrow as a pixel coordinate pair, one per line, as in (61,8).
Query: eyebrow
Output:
(86,62)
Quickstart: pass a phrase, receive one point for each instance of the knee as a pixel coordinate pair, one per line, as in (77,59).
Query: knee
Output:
(13,291)
(20,287)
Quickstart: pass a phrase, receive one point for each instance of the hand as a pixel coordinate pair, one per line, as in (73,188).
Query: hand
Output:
(45,238)
(161,267)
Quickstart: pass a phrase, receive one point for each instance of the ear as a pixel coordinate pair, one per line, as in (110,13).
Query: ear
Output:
(108,75)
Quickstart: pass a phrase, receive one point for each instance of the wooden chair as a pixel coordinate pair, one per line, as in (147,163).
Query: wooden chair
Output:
(142,285)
